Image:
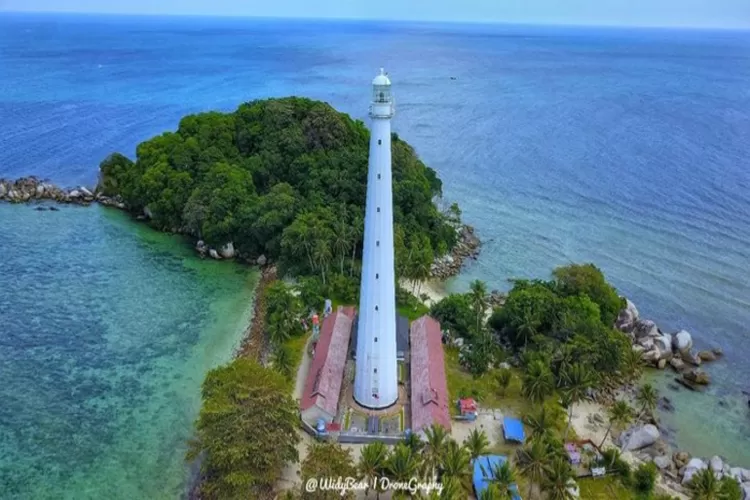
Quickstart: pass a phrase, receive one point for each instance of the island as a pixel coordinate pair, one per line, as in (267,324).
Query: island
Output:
(542,381)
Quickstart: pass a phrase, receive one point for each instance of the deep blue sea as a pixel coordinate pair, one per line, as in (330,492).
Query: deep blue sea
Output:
(626,148)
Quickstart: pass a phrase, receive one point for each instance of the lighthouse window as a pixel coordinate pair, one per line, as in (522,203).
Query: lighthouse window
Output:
(376,308)
(378,209)
(379,142)
(377,275)
(378,176)
(377,243)
(376,339)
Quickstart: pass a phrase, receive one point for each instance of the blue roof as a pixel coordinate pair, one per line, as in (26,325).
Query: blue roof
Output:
(513,430)
(483,471)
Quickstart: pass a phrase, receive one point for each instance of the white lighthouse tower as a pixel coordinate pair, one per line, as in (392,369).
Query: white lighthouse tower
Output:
(376,377)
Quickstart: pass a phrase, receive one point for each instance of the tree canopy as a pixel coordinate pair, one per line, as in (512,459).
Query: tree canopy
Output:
(246,430)
(284,178)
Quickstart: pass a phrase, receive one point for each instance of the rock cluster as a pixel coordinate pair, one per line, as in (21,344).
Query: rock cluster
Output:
(466,247)
(29,189)
(660,349)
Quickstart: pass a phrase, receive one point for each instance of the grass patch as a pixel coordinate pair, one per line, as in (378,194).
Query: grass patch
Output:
(604,488)
(412,313)
(401,369)
(296,346)
(484,388)
(401,419)
(347,419)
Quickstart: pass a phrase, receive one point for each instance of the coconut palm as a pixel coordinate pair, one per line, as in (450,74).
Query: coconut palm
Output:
(456,463)
(342,241)
(437,437)
(492,492)
(538,382)
(282,361)
(322,256)
(478,291)
(358,229)
(373,460)
(452,489)
(477,443)
(704,485)
(414,442)
(646,398)
(532,462)
(279,329)
(632,364)
(503,378)
(577,380)
(540,423)
(402,465)
(620,414)
(504,478)
(558,479)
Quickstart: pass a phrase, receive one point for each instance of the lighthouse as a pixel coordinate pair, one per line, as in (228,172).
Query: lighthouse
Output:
(376,375)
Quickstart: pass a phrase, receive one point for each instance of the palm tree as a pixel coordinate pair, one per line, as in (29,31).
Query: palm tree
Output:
(540,422)
(620,414)
(323,257)
(282,361)
(492,492)
(479,300)
(558,478)
(504,478)
(414,442)
(372,462)
(563,361)
(457,464)
(632,364)
(342,239)
(503,378)
(279,330)
(646,398)
(452,490)
(402,466)
(577,380)
(477,443)
(538,382)
(533,459)
(437,438)
(704,485)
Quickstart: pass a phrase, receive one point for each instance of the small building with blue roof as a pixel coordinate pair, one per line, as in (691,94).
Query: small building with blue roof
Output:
(513,430)
(484,466)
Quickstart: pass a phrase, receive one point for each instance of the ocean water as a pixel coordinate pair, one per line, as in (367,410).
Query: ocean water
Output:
(107,329)
(627,148)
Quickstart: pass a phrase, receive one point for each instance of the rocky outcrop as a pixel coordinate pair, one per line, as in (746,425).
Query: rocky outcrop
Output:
(33,189)
(627,318)
(697,377)
(227,251)
(467,247)
(682,341)
(638,437)
(692,467)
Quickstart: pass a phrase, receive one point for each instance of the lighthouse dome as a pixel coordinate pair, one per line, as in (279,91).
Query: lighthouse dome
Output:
(381,79)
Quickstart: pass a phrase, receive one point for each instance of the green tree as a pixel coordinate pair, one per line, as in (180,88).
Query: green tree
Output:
(577,380)
(503,378)
(456,464)
(455,314)
(644,479)
(537,381)
(327,460)
(372,463)
(479,298)
(533,460)
(477,443)
(558,478)
(403,465)
(282,361)
(646,398)
(620,414)
(246,430)
(436,441)
(541,422)
(504,480)
(588,280)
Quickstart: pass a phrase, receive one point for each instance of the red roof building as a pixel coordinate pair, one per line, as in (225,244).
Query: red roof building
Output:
(467,405)
(320,398)
(429,389)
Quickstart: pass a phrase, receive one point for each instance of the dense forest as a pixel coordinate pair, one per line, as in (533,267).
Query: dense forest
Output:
(284,178)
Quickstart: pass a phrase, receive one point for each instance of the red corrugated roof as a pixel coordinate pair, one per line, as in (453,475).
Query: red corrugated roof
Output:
(429,389)
(467,404)
(323,383)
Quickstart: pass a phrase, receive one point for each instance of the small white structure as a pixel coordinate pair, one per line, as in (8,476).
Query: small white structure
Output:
(376,375)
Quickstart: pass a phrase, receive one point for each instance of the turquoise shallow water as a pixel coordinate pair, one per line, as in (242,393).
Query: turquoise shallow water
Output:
(107,330)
